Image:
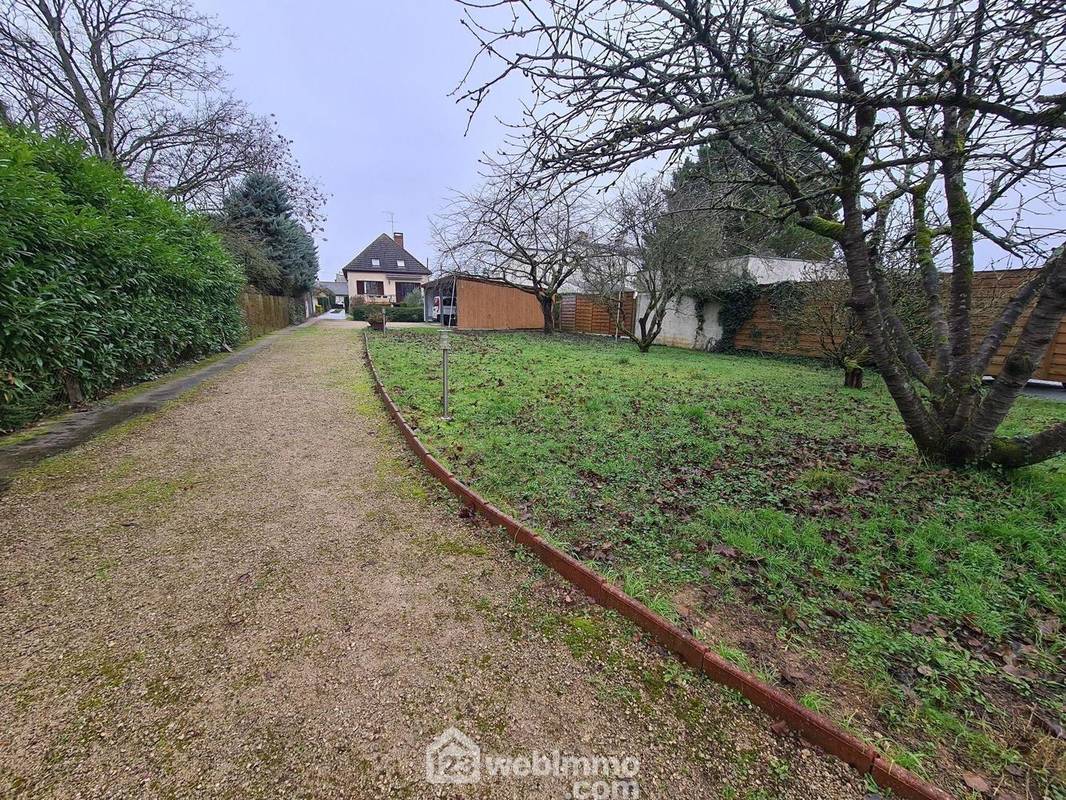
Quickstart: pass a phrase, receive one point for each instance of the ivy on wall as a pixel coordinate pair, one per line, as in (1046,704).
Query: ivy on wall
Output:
(786,298)
(736,305)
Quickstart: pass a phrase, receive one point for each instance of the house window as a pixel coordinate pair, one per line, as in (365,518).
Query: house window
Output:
(371,288)
(401,263)
(375,262)
(404,288)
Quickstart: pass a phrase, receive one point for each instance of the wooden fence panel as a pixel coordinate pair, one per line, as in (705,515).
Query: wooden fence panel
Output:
(263,313)
(582,313)
(567,312)
(764,332)
(484,305)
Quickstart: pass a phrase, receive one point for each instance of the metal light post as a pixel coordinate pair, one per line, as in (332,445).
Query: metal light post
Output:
(445,346)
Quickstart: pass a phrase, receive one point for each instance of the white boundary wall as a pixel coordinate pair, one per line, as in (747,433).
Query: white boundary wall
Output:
(681,324)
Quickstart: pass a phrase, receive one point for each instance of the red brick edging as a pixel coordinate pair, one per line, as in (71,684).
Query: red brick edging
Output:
(815,728)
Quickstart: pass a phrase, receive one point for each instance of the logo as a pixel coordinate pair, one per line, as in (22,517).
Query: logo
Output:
(453,758)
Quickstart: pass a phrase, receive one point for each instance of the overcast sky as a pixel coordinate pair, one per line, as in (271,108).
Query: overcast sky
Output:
(362,87)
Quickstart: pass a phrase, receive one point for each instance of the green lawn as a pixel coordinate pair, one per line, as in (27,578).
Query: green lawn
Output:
(763,495)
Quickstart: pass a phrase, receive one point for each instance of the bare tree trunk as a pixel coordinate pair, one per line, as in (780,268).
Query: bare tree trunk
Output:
(547,308)
(923,250)
(864,301)
(1002,327)
(650,328)
(960,217)
(1025,450)
(1036,335)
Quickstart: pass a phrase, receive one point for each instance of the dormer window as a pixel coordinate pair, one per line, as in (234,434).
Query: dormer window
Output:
(401,263)
(375,262)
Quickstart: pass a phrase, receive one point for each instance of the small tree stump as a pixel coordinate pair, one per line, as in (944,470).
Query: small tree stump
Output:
(72,387)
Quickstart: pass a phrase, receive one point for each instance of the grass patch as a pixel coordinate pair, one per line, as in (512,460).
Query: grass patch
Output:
(582,635)
(146,494)
(815,701)
(143,494)
(27,434)
(447,546)
(771,485)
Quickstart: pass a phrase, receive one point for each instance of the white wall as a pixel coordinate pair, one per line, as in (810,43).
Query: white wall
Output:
(766,270)
(681,324)
(775,270)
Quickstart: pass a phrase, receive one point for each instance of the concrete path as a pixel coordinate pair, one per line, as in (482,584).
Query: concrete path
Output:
(1046,390)
(254,592)
(71,429)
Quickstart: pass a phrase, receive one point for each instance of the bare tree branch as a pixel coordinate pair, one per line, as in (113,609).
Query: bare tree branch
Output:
(534,238)
(139,81)
(964,94)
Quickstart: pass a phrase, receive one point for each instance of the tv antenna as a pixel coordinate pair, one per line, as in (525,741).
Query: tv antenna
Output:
(392,221)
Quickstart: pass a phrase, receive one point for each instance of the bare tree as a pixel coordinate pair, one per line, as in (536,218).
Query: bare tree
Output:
(534,238)
(663,247)
(139,81)
(818,306)
(947,115)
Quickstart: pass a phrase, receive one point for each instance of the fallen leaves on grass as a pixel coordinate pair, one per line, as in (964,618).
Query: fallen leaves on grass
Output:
(976,783)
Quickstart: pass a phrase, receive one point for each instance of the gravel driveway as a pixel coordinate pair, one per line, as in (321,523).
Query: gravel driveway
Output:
(254,592)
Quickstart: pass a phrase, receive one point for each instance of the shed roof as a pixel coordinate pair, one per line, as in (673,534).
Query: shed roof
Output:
(476,278)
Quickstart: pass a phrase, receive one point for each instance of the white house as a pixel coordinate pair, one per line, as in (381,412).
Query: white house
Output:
(384,272)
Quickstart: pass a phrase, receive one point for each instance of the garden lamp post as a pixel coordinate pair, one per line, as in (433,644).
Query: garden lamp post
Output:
(445,346)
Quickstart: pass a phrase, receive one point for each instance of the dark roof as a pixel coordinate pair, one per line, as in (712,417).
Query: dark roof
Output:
(337,287)
(387,252)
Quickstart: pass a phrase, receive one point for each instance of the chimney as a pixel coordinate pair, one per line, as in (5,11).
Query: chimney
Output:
(398,237)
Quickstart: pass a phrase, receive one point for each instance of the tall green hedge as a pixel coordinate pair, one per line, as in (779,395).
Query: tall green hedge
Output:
(364,311)
(99,279)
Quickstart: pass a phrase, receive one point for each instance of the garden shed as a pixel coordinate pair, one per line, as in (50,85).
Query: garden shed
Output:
(695,325)
(470,303)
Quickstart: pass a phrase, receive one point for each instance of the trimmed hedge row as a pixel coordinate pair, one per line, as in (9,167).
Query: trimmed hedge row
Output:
(364,311)
(102,284)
